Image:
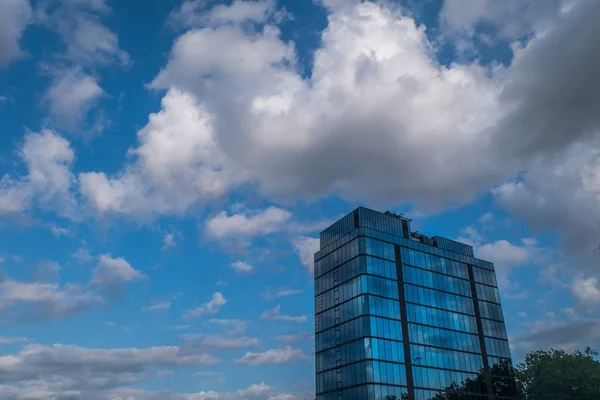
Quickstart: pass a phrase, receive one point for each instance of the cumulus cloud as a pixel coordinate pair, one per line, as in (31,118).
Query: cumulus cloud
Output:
(82,256)
(586,291)
(561,195)
(247,224)
(49,182)
(242,267)
(380,64)
(506,255)
(553,331)
(273,356)
(78,23)
(238,327)
(239,228)
(211,307)
(113,272)
(512,18)
(231,336)
(255,391)
(46,271)
(15,15)
(70,97)
(306,247)
(59,231)
(375,72)
(216,341)
(85,373)
(176,165)
(276,315)
(45,299)
(200,13)
(42,301)
(171,239)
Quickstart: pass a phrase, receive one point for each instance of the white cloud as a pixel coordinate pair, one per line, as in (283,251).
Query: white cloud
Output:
(169,241)
(276,315)
(70,98)
(59,231)
(15,15)
(158,306)
(231,337)
(194,13)
(551,331)
(355,85)
(217,376)
(242,267)
(237,230)
(82,256)
(113,272)
(78,23)
(306,247)
(561,194)
(44,299)
(506,255)
(238,326)
(47,271)
(375,73)
(11,340)
(247,225)
(218,341)
(62,368)
(486,218)
(273,356)
(212,307)
(40,301)
(92,392)
(586,290)
(270,294)
(511,18)
(177,164)
(216,303)
(49,182)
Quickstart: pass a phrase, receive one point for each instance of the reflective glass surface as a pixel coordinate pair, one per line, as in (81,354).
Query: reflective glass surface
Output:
(406,318)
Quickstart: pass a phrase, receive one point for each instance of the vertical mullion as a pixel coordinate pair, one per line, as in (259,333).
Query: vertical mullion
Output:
(404,324)
(486,366)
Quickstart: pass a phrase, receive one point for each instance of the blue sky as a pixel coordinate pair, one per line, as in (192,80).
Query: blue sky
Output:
(167,166)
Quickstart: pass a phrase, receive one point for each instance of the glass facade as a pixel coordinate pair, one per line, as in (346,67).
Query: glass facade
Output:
(401,316)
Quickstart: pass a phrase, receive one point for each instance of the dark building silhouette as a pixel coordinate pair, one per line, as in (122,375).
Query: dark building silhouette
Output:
(399,315)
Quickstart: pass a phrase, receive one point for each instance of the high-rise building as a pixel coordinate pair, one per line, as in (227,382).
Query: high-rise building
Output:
(399,315)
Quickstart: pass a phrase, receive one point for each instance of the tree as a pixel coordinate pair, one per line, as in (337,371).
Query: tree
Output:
(394,397)
(558,375)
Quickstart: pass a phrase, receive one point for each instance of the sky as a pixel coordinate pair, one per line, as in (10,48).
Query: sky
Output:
(166,167)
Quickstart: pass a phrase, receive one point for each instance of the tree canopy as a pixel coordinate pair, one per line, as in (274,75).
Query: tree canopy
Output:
(543,375)
(558,375)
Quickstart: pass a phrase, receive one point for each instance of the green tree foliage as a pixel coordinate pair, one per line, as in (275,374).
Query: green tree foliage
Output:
(558,375)
(394,397)
(502,382)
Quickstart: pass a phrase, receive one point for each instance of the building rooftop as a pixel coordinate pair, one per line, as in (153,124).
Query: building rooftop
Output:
(388,222)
